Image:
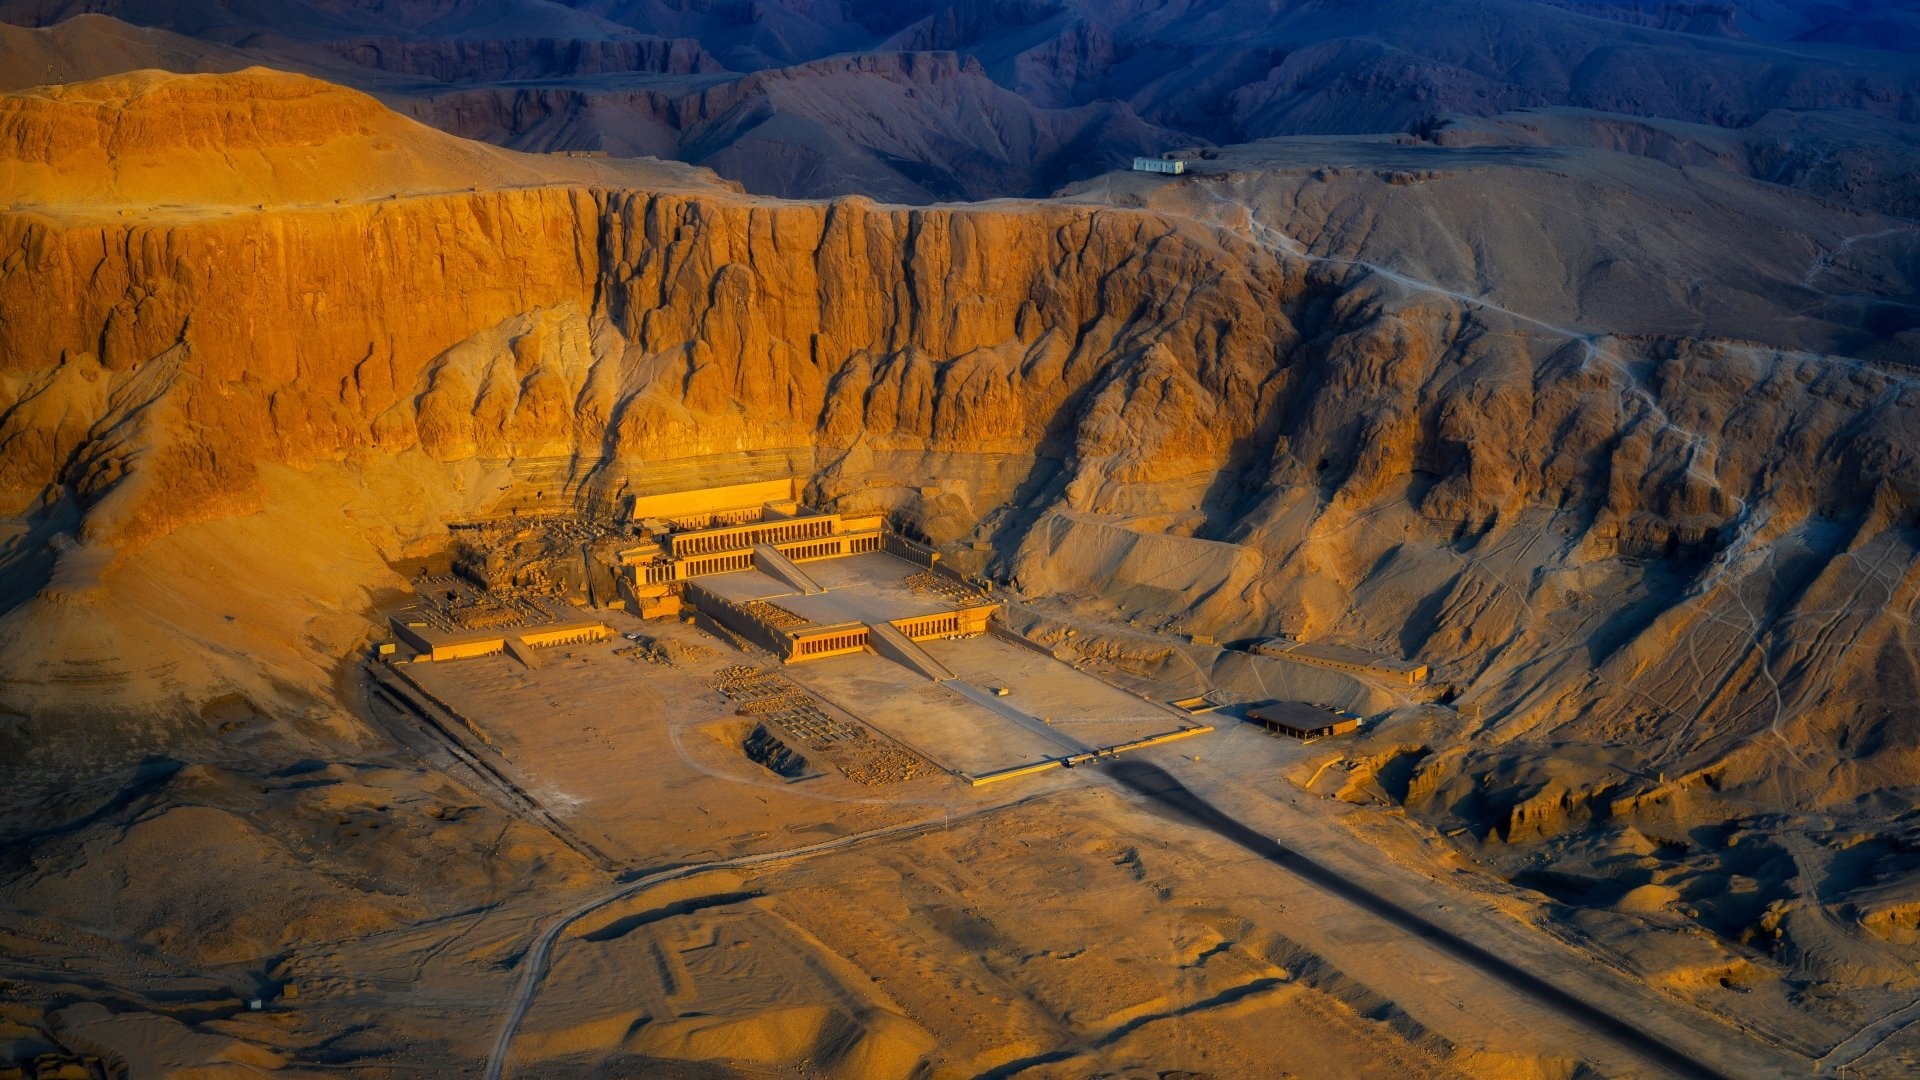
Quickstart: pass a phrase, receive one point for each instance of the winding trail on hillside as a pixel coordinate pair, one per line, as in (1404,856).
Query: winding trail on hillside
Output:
(1868,1039)
(1741,549)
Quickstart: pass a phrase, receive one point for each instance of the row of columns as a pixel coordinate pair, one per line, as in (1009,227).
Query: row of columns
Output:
(748,536)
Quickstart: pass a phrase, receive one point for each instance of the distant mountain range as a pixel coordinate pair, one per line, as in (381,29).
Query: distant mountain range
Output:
(922,101)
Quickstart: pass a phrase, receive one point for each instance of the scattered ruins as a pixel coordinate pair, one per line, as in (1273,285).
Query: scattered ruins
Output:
(455,619)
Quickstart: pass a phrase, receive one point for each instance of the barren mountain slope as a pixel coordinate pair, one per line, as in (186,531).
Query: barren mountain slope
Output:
(1595,242)
(746,87)
(1846,157)
(912,127)
(90,46)
(152,141)
(1660,541)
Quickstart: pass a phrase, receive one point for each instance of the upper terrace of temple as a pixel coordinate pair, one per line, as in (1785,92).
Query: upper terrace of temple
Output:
(693,534)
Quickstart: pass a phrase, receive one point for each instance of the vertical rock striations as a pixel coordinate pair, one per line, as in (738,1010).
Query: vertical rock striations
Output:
(151,361)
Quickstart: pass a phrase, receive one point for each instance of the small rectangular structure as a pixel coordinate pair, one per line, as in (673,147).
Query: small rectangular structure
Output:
(1200,703)
(1342,658)
(456,643)
(1158,165)
(1303,721)
(732,504)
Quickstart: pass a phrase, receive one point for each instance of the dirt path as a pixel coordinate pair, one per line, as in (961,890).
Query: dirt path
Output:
(539,955)
(1868,1039)
(1162,787)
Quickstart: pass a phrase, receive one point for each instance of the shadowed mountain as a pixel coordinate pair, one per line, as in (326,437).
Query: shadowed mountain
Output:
(971,99)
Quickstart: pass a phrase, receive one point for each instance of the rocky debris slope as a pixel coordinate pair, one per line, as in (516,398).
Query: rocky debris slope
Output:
(907,127)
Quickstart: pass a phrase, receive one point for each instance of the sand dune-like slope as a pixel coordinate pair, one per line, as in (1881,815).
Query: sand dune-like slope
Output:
(91,46)
(153,139)
(1845,157)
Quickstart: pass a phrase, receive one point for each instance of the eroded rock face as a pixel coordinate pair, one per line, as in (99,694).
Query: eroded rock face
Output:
(463,60)
(630,325)
(152,362)
(622,324)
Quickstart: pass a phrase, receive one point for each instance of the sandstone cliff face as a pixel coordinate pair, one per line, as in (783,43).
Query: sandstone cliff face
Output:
(621,324)
(556,319)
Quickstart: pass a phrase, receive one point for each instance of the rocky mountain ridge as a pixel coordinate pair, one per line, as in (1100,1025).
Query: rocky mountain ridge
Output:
(931,102)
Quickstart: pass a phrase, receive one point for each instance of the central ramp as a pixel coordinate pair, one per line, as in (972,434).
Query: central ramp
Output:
(522,652)
(768,560)
(901,649)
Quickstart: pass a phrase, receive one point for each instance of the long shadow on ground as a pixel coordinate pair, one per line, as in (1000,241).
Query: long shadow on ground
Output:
(1162,788)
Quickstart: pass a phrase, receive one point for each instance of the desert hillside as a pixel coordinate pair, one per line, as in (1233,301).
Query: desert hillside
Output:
(1623,444)
(926,102)
(257,138)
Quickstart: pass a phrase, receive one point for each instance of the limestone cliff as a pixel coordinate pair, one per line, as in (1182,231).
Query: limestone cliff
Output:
(151,361)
